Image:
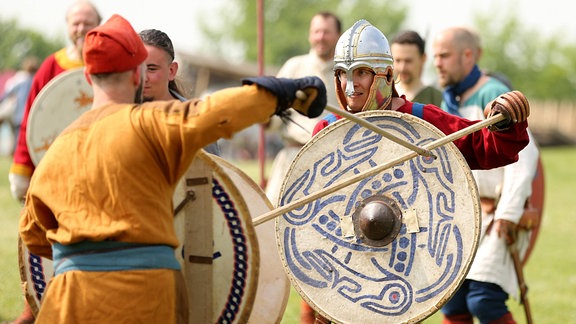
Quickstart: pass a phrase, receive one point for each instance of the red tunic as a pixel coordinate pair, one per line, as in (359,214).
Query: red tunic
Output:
(50,68)
(482,149)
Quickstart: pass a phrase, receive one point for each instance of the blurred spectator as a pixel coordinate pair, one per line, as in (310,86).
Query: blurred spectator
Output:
(16,91)
(408,49)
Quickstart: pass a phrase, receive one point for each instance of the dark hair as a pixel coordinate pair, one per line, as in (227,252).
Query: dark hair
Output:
(328,14)
(410,37)
(159,39)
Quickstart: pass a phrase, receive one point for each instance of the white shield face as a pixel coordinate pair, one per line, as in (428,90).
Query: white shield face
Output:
(60,102)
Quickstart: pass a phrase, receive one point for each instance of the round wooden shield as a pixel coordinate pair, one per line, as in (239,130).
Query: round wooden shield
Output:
(532,218)
(35,272)
(273,284)
(391,248)
(59,103)
(235,254)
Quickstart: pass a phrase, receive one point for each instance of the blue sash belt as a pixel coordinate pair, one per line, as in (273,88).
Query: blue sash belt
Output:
(112,256)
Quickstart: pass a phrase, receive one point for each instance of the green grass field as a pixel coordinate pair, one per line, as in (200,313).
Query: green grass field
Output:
(550,272)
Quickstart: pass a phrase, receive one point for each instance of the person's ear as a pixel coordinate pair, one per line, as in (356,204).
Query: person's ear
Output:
(469,55)
(173,68)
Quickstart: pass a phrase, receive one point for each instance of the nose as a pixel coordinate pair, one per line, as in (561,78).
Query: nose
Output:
(350,85)
(437,61)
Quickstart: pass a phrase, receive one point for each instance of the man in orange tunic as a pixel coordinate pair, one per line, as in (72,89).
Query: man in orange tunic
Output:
(100,203)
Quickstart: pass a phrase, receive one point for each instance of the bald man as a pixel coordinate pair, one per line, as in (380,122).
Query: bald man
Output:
(503,191)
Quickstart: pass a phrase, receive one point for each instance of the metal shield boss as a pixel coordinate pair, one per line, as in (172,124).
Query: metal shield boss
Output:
(390,248)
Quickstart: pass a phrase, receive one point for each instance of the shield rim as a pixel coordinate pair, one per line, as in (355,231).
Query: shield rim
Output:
(536,200)
(282,302)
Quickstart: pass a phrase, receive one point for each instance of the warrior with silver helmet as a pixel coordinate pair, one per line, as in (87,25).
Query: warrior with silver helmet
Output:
(364,46)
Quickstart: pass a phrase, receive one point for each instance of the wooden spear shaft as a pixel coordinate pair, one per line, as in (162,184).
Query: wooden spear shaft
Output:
(373,171)
(521,281)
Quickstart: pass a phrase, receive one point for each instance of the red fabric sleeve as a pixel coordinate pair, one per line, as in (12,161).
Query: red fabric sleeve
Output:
(482,149)
(319,126)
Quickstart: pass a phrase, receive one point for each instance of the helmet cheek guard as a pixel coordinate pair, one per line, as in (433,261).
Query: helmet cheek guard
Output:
(381,91)
(363,45)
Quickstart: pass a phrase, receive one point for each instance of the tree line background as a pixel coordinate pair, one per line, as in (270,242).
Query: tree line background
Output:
(543,67)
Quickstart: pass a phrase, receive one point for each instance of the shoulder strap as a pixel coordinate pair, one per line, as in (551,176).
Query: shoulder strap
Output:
(330,118)
(418,110)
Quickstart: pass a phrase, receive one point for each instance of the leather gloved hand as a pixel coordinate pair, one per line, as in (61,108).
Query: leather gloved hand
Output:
(311,104)
(18,186)
(513,105)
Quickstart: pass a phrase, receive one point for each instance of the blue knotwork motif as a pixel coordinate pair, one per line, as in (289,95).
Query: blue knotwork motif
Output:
(37,275)
(378,279)
(234,223)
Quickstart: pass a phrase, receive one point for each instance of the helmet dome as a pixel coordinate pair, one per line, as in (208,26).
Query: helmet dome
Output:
(364,46)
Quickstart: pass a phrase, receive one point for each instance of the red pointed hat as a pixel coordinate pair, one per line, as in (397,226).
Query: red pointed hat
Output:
(113,47)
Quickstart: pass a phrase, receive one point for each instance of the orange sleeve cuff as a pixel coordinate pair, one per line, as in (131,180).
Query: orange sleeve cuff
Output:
(21,169)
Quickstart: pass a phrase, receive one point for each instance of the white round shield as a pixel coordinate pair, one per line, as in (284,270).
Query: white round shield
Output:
(391,248)
(273,285)
(59,103)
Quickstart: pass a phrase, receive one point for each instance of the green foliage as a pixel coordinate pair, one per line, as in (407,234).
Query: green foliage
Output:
(17,43)
(286,25)
(541,67)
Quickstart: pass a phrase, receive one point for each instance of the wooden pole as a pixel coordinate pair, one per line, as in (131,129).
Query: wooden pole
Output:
(262,140)
(513,248)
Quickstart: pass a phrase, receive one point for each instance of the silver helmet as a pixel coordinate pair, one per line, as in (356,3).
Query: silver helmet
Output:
(364,46)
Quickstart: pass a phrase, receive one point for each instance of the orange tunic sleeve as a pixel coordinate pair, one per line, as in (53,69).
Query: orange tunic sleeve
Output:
(112,173)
